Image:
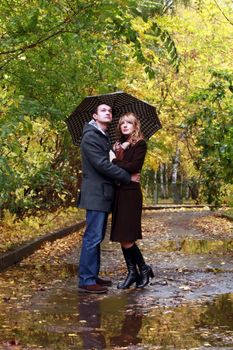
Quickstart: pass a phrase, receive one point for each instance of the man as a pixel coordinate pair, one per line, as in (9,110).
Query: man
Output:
(96,196)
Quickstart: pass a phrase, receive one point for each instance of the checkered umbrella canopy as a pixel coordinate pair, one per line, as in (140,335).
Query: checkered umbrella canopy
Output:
(121,103)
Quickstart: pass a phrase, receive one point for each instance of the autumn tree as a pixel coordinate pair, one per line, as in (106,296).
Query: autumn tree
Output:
(53,53)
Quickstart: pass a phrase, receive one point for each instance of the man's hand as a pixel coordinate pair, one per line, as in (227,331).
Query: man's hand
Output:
(135,177)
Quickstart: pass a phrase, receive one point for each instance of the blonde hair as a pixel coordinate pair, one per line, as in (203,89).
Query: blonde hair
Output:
(137,134)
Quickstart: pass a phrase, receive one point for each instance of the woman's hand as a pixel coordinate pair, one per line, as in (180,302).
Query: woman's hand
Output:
(116,146)
(125,145)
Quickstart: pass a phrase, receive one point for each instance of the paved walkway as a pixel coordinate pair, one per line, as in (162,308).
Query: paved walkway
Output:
(188,305)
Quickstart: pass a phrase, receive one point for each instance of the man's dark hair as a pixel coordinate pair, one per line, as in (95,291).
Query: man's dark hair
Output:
(95,110)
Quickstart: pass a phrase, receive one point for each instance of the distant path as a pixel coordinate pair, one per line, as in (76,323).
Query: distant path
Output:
(179,252)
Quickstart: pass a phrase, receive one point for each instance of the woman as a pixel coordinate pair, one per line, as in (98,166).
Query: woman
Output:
(126,218)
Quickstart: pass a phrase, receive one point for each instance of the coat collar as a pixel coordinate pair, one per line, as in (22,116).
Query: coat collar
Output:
(93,122)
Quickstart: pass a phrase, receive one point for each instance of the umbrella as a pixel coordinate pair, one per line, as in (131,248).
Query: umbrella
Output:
(121,102)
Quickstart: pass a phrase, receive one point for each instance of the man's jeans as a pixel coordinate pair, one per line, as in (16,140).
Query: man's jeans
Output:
(89,264)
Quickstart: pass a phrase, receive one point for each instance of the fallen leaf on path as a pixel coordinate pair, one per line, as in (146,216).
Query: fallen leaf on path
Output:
(187,288)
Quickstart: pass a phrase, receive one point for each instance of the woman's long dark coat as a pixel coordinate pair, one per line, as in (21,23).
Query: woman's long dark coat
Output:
(127,211)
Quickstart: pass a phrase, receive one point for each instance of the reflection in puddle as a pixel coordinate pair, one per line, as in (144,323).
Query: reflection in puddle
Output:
(192,326)
(192,246)
(67,320)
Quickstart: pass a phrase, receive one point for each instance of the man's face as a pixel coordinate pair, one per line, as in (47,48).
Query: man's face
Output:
(103,115)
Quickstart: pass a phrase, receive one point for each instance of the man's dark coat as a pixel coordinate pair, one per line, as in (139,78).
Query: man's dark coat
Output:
(99,174)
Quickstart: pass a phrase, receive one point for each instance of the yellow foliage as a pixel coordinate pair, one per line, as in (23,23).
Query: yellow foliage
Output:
(204,42)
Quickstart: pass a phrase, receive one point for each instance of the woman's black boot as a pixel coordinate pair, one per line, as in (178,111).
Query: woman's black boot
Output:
(146,273)
(133,275)
(145,270)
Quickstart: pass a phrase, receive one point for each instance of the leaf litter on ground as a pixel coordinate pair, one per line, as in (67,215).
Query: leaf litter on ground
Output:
(17,231)
(45,268)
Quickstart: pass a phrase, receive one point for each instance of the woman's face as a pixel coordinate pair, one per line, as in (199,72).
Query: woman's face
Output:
(127,127)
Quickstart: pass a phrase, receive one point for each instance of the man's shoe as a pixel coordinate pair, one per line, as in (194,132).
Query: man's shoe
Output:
(93,288)
(104,283)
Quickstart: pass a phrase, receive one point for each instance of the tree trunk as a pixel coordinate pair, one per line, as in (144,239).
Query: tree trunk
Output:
(181,188)
(187,191)
(166,182)
(161,173)
(147,186)
(155,188)
(175,167)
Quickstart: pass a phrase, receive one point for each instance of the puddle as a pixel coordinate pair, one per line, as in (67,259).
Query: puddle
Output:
(189,304)
(130,320)
(194,246)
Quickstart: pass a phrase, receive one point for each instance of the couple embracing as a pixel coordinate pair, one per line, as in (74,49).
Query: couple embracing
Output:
(111,183)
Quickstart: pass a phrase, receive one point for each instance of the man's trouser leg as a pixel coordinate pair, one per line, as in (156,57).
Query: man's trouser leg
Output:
(89,264)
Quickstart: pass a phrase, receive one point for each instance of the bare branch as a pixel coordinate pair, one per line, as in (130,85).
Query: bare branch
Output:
(220,9)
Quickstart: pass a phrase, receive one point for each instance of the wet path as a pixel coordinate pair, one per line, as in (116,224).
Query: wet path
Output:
(188,305)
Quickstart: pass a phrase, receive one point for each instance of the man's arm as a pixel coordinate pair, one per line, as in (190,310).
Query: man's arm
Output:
(98,156)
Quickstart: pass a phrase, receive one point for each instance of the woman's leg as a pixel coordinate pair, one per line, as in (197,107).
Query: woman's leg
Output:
(133,258)
(132,275)
(145,270)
